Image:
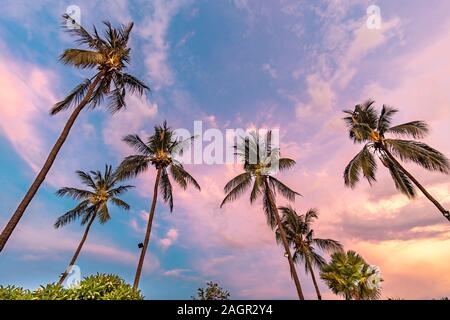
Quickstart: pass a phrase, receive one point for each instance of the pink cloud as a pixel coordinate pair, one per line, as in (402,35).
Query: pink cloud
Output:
(25,96)
(169,239)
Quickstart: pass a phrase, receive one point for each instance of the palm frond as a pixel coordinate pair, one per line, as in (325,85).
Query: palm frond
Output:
(135,142)
(310,216)
(124,32)
(415,129)
(71,215)
(419,153)
(363,162)
(103,213)
(237,181)
(81,58)
(120,203)
(401,180)
(132,166)
(328,245)
(89,213)
(74,193)
(86,179)
(257,188)
(182,177)
(237,191)
(285,164)
(116,100)
(83,37)
(317,261)
(283,189)
(165,188)
(131,83)
(269,208)
(100,92)
(119,190)
(384,121)
(73,99)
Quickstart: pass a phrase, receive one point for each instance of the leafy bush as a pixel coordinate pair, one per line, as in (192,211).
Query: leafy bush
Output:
(14,293)
(212,292)
(97,287)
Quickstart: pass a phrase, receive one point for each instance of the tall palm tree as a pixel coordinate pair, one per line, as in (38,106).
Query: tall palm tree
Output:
(109,56)
(102,190)
(349,275)
(369,127)
(300,235)
(259,156)
(158,151)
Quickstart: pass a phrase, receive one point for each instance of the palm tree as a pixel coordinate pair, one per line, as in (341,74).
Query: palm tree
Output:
(369,127)
(102,189)
(300,235)
(110,56)
(349,275)
(259,158)
(158,152)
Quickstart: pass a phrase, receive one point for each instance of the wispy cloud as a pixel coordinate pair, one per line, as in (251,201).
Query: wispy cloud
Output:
(153,32)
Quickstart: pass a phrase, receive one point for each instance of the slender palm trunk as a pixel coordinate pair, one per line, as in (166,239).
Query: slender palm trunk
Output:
(316,286)
(424,191)
(77,253)
(148,232)
(46,168)
(285,242)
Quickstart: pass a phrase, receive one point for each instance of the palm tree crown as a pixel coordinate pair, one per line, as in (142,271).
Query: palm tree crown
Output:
(301,235)
(158,151)
(367,126)
(103,189)
(258,157)
(349,275)
(110,55)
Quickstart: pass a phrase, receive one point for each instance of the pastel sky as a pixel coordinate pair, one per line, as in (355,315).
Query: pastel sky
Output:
(288,64)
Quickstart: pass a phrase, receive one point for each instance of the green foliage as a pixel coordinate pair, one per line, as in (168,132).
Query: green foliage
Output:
(349,275)
(105,287)
(14,293)
(96,287)
(212,292)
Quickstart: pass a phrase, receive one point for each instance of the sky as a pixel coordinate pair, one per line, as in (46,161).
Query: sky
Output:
(287,64)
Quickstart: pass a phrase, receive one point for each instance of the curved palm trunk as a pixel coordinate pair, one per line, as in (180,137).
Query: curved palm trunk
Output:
(445,213)
(77,253)
(285,243)
(46,168)
(148,232)
(316,286)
